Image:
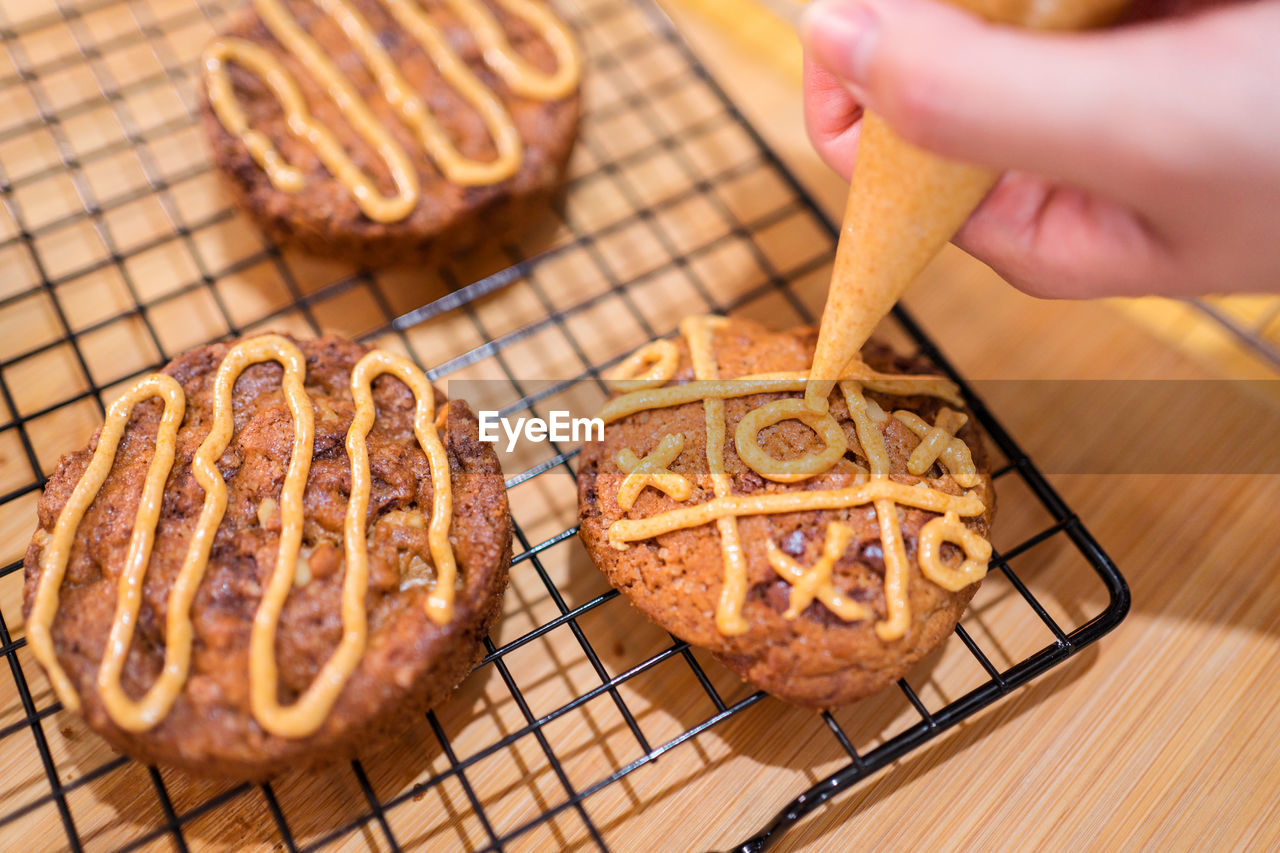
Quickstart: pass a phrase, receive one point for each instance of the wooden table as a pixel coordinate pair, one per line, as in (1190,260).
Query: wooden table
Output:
(1160,735)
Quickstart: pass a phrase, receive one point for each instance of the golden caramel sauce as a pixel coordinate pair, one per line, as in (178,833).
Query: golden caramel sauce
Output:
(938,443)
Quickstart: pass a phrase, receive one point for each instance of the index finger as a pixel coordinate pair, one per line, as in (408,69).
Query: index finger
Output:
(831,115)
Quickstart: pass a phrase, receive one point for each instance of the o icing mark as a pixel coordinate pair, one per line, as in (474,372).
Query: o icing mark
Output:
(977,553)
(746,440)
(652,364)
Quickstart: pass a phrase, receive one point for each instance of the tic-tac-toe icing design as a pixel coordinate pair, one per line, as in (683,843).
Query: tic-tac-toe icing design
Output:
(655,364)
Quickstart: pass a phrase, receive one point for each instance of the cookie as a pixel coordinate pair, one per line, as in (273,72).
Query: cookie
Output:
(390,131)
(816,554)
(216,586)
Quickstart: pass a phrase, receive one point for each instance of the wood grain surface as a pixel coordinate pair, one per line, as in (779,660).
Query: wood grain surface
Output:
(1161,736)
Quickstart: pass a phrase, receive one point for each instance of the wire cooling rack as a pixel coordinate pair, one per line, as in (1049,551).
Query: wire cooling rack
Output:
(1254,320)
(118,250)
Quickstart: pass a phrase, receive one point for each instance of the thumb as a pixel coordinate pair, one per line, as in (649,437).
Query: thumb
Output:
(1091,109)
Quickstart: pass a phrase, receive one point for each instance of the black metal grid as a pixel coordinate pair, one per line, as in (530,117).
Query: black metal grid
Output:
(156,26)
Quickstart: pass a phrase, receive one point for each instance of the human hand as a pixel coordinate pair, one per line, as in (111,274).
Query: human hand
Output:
(1142,159)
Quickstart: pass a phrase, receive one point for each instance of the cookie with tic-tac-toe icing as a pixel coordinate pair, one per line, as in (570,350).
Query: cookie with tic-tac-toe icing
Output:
(818,554)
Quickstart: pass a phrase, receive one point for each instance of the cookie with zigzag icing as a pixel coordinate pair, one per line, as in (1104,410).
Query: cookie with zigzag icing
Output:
(392,131)
(274,553)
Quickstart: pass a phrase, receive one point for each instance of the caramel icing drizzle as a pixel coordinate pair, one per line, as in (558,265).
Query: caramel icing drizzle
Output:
(897,571)
(815,582)
(652,364)
(938,443)
(522,77)
(656,364)
(57,550)
(977,553)
(627,530)
(373,365)
(649,397)
(746,440)
(733,593)
(652,470)
(309,711)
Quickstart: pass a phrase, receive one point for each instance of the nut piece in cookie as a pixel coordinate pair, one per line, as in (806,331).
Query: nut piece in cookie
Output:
(389,131)
(272,554)
(817,554)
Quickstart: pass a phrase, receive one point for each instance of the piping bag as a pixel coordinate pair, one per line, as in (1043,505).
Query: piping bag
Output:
(905,203)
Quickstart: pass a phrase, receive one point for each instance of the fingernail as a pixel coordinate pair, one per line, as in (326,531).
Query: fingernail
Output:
(842,36)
